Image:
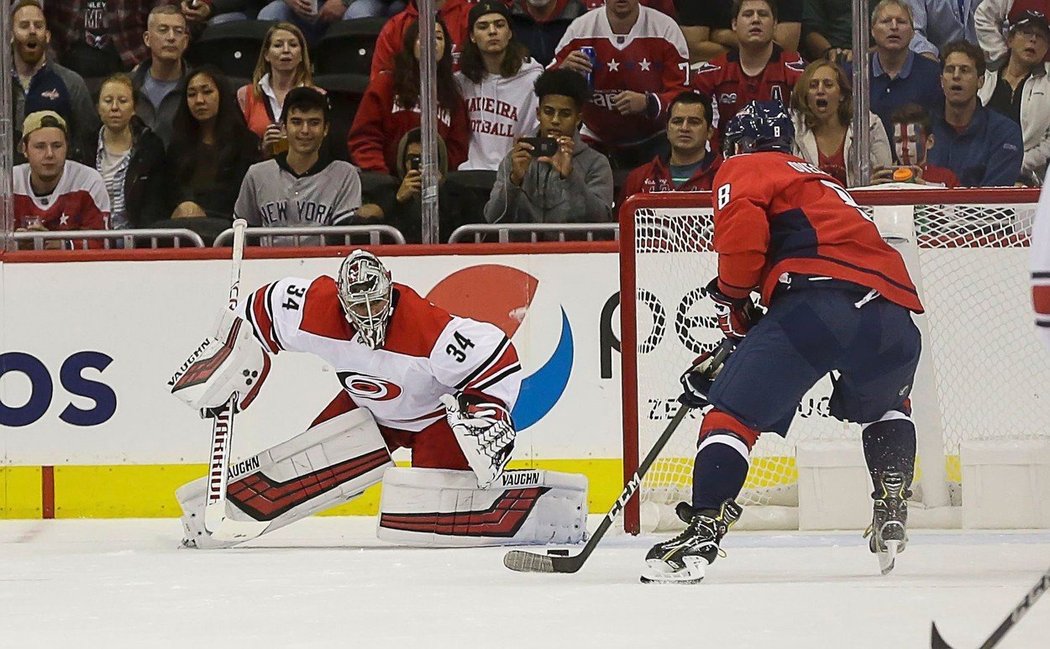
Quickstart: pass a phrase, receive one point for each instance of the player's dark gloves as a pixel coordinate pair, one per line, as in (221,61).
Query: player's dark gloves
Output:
(698,379)
(736,316)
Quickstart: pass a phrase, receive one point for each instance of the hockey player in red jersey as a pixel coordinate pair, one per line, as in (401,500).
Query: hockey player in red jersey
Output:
(759,71)
(413,376)
(838,297)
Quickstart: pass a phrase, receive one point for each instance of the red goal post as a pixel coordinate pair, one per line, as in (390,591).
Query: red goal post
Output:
(967,252)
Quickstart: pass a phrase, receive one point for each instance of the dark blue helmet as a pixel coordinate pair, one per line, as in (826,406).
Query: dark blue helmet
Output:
(759,126)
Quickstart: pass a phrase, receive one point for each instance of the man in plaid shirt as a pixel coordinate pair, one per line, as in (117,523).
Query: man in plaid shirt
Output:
(98,37)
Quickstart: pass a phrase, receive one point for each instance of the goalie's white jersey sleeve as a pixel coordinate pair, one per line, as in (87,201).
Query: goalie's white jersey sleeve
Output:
(427,353)
(1041,265)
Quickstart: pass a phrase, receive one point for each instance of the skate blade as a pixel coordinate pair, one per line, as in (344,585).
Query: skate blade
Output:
(888,559)
(658,572)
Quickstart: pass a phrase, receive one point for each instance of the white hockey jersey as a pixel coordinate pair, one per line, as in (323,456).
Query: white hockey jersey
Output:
(428,352)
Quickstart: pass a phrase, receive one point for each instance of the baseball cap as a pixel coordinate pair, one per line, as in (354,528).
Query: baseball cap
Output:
(43,119)
(1030,17)
(486,7)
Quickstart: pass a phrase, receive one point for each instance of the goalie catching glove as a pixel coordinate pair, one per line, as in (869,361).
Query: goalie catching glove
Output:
(698,379)
(485,434)
(736,316)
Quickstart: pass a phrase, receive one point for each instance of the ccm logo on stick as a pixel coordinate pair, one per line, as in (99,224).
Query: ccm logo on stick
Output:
(42,389)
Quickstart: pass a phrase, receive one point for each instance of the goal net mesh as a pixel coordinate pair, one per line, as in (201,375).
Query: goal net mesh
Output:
(970,262)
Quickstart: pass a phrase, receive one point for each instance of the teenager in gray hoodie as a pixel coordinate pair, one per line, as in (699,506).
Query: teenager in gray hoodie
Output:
(574,184)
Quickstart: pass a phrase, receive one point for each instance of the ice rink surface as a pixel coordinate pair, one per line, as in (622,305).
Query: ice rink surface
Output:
(329,583)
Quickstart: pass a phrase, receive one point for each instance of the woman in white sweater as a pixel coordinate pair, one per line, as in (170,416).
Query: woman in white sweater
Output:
(822,109)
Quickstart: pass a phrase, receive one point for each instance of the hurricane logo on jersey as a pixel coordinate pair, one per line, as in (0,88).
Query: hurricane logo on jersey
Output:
(504,296)
(369,387)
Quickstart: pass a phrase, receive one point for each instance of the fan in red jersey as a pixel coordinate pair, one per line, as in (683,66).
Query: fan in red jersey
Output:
(636,61)
(413,376)
(838,298)
(759,71)
(52,193)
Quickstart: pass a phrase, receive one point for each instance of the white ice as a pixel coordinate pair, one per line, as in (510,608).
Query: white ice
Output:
(328,583)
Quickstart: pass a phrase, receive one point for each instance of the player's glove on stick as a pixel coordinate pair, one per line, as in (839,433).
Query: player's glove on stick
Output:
(699,378)
(736,316)
(485,434)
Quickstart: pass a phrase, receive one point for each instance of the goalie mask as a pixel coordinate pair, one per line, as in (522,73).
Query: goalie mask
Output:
(364,289)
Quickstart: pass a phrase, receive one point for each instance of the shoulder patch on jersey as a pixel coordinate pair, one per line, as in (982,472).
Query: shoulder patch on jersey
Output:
(796,65)
(322,314)
(705,67)
(415,325)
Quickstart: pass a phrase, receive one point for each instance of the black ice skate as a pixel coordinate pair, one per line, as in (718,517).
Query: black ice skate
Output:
(888,530)
(684,559)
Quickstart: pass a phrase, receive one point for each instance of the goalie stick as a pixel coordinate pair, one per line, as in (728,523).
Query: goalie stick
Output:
(937,642)
(524,561)
(215,520)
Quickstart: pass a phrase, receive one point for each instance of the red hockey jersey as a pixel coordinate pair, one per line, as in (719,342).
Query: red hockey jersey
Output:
(453,13)
(775,213)
(652,58)
(724,81)
(381,122)
(79,202)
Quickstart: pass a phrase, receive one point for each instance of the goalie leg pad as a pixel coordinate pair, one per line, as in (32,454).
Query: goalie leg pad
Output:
(230,361)
(334,461)
(441,508)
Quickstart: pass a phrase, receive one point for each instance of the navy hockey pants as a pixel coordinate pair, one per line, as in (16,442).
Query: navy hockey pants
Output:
(814,327)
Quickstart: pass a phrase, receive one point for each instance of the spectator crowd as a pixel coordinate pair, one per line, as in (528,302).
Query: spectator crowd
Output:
(548,111)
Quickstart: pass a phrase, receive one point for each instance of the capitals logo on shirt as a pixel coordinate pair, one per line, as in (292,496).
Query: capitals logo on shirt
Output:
(507,297)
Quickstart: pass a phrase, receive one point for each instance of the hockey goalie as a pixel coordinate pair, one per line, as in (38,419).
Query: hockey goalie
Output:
(413,376)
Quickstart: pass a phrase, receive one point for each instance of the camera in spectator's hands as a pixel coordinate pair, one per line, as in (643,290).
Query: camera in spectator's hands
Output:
(413,162)
(542,146)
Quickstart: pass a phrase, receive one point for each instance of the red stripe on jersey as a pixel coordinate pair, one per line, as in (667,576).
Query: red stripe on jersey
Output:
(416,324)
(263,321)
(322,313)
(509,358)
(1041,299)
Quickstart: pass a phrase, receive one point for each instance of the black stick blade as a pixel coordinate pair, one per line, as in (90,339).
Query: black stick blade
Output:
(936,641)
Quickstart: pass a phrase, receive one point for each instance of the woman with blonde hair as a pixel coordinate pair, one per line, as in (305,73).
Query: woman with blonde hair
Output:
(284,63)
(128,155)
(822,109)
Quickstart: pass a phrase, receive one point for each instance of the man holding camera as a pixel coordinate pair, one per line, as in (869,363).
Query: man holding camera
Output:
(554,177)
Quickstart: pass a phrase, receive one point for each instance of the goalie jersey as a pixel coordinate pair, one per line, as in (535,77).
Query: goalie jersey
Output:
(427,353)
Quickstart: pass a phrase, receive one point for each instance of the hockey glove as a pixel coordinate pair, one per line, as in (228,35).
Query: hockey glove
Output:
(736,316)
(485,434)
(699,378)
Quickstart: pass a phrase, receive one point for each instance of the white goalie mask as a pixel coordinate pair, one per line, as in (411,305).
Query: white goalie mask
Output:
(364,289)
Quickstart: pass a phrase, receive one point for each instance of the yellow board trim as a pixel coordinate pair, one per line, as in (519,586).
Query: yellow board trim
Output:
(148,491)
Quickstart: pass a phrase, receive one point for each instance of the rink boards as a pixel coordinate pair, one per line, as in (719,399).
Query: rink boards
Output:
(88,428)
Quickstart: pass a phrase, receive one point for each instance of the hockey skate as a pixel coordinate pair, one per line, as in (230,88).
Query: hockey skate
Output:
(684,559)
(888,534)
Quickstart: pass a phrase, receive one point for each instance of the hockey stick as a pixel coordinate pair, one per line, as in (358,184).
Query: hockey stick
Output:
(937,642)
(523,561)
(215,520)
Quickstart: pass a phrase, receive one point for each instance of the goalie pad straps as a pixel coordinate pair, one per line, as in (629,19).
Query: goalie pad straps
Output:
(485,434)
(442,508)
(329,464)
(229,362)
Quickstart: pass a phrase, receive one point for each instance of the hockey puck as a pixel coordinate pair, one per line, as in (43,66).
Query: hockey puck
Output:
(559,553)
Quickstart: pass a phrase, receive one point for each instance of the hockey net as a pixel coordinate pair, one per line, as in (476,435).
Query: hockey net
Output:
(967,251)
